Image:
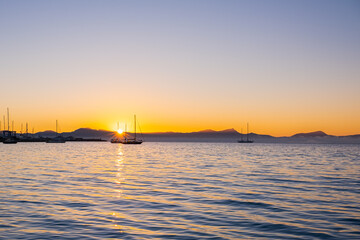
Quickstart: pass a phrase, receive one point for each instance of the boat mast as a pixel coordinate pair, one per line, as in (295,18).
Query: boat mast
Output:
(8,119)
(56,126)
(125,131)
(247,134)
(135,126)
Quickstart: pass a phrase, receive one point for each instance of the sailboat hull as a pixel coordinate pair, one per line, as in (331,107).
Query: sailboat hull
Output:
(126,141)
(132,142)
(58,139)
(241,141)
(55,141)
(10,142)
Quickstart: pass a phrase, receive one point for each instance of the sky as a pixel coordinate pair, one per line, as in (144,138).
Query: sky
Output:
(182,65)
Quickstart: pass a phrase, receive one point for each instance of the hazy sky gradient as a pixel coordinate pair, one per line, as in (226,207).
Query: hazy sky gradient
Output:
(284,66)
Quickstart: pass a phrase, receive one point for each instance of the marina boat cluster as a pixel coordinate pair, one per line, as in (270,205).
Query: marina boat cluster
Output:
(8,136)
(11,137)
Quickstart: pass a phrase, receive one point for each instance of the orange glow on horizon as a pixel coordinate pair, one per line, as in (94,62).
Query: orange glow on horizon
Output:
(283,122)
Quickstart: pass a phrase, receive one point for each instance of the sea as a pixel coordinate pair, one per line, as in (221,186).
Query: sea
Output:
(99,190)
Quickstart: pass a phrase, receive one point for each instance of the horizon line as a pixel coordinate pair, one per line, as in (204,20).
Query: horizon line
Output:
(199,131)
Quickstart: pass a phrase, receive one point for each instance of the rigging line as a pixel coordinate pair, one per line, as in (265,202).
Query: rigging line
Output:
(142,136)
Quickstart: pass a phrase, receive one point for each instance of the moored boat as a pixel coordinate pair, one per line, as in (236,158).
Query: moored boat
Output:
(10,141)
(126,140)
(9,137)
(58,138)
(247,137)
(132,140)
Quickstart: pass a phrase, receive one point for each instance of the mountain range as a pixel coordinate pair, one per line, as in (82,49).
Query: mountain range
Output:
(208,135)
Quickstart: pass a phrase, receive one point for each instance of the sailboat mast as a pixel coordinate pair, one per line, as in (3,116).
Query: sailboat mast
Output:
(8,115)
(56,126)
(135,126)
(247,131)
(247,134)
(125,130)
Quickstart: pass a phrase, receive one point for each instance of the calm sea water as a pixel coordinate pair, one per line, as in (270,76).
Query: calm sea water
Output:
(179,191)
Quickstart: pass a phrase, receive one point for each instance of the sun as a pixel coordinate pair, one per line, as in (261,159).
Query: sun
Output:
(120,131)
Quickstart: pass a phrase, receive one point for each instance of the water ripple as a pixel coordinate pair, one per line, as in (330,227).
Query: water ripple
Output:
(179,191)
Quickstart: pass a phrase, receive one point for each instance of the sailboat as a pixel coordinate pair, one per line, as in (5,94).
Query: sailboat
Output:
(58,138)
(9,136)
(132,140)
(247,137)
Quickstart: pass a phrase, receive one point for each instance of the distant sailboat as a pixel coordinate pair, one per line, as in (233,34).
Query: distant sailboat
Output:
(128,140)
(247,137)
(9,136)
(58,138)
(132,140)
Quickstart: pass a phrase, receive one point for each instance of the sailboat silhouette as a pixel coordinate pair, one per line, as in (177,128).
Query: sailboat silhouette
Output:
(128,140)
(247,137)
(58,138)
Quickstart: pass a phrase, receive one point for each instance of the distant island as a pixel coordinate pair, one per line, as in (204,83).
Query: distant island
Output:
(208,135)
